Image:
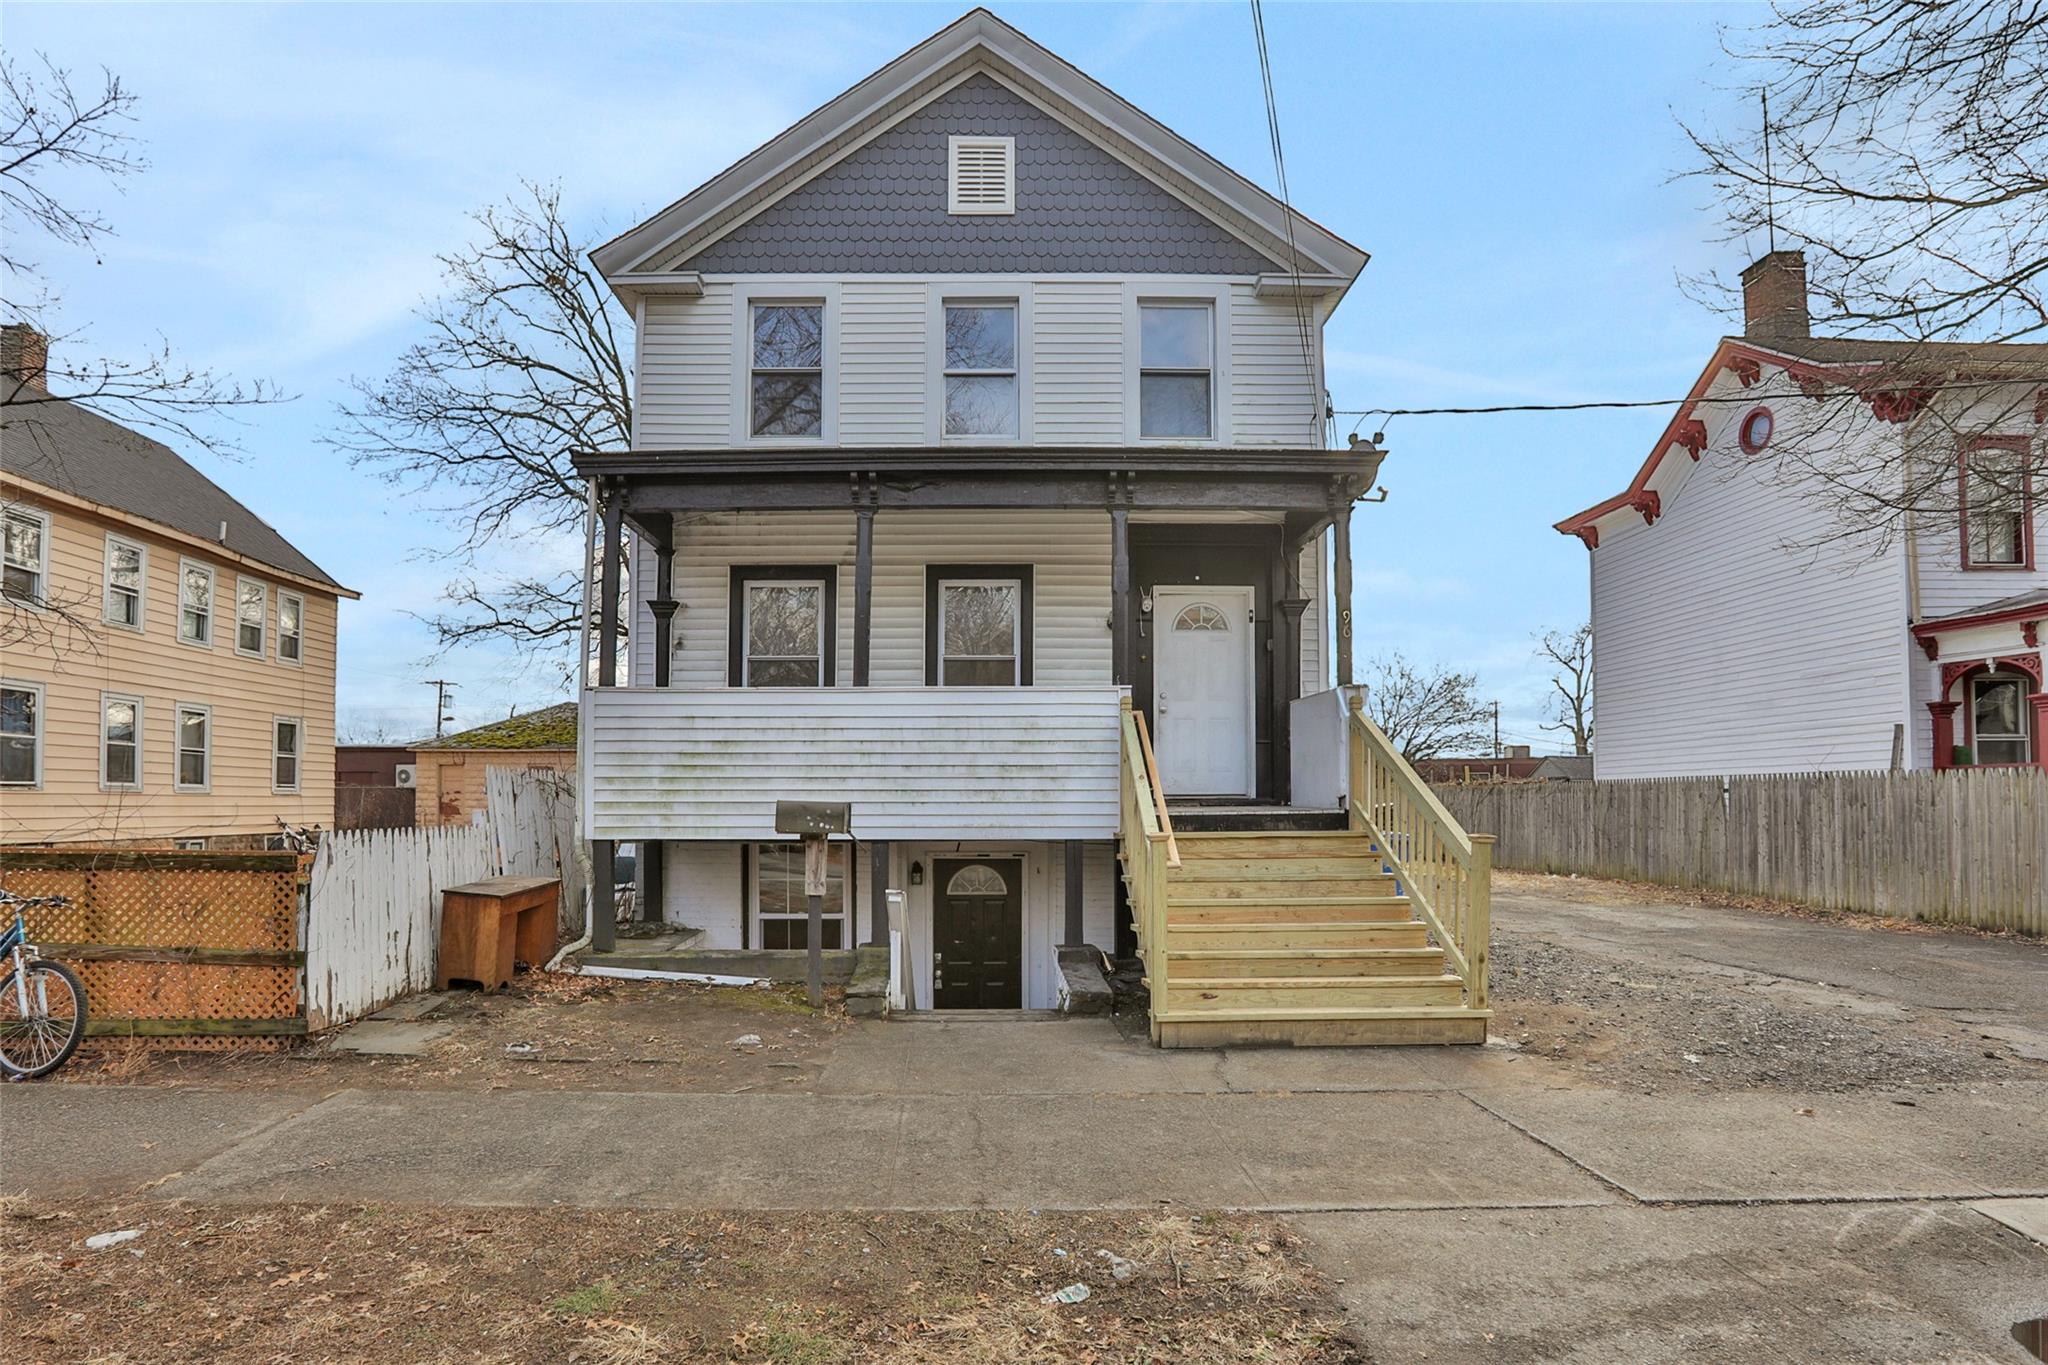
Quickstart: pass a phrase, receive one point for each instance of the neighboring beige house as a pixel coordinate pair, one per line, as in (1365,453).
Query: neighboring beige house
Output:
(451,770)
(167,659)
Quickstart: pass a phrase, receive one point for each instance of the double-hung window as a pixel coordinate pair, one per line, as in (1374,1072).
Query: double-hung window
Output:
(1998,713)
(782,627)
(252,609)
(291,627)
(782,910)
(978,625)
(284,753)
(1998,504)
(1176,371)
(194,731)
(127,568)
(21,734)
(120,742)
(195,603)
(27,569)
(981,369)
(787,375)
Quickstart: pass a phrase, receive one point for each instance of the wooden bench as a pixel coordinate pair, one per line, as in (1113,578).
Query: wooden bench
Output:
(489,925)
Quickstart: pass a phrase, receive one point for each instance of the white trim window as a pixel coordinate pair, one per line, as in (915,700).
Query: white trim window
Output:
(981,398)
(127,581)
(195,602)
(252,613)
(1176,371)
(192,735)
(291,627)
(780,909)
(786,374)
(981,632)
(120,742)
(21,734)
(1998,714)
(286,735)
(981,174)
(26,578)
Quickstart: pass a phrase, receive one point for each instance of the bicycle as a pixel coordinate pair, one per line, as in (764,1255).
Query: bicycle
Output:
(42,1004)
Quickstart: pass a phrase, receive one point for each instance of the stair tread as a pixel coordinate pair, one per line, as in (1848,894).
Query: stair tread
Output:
(1307,982)
(1328,899)
(1172,1016)
(1288,926)
(1280,954)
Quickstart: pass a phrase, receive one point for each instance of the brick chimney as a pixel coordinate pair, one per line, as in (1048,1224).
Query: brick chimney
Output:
(1518,751)
(1774,297)
(25,354)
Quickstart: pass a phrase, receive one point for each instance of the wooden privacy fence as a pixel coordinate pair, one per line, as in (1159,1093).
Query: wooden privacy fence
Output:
(188,949)
(1968,846)
(374,917)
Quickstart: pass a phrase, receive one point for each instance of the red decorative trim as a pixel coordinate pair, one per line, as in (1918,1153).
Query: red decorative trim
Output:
(2030,634)
(1950,673)
(1692,434)
(1898,405)
(1967,446)
(2041,406)
(1944,714)
(1747,369)
(1750,447)
(1930,647)
(1591,535)
(1928,629)
(1649,504)
(1813,383)
(2029,664)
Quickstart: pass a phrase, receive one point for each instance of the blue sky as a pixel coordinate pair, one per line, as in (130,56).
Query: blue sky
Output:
(1508,167)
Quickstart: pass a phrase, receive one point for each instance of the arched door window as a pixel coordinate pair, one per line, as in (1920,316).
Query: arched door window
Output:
(977,879)
(1201,616)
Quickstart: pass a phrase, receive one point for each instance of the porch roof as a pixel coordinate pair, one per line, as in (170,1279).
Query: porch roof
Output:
(657,482)
(2024,606)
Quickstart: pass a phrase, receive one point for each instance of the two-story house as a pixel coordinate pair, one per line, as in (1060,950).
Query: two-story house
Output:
(167,659)
(1740,626)
(980,444)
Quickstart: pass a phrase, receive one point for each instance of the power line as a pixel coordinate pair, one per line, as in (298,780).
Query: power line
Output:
(1302,326)
(1595,404)
(442,687)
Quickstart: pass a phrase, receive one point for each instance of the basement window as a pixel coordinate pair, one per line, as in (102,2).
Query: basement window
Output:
(981,175)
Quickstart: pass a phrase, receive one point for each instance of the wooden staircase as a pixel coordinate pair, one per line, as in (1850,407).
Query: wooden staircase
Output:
(1306,937)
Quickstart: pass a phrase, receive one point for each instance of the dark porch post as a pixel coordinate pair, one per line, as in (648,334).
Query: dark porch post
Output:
(878,893)
(664,605)
(652,882)
(1121,670)
(863,590)
(604,900)
(1340,523)
(604,875)
(1076,936)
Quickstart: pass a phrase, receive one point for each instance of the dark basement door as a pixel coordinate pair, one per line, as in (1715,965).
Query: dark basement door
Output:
(978,934)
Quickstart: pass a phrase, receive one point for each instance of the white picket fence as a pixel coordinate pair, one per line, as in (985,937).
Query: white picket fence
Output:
(373,917)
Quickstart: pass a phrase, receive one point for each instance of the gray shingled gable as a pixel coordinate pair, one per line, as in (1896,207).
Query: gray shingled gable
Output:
(66,447)
(882,210)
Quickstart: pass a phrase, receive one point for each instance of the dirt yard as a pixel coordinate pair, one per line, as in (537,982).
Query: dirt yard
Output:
(325,1283)
(545,1033)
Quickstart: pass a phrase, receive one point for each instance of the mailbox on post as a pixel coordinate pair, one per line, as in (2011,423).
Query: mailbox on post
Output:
(815,821)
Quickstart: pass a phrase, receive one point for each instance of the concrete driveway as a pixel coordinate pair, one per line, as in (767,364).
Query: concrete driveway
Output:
(1578,1191)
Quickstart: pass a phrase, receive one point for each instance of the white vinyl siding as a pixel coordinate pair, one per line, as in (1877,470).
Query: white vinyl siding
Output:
(1077,359)
(1718,649)
(1068,552)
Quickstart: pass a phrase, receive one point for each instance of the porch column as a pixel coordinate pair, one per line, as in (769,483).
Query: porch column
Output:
(608,589)
(1120,668)
(604,901)
(664,605)
(2039,701)
(1076,936)
(863,591)
(1340,525)
(878,893)
(1944,713)
(652,882)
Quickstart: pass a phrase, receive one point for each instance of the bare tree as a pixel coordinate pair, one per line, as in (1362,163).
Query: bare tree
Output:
(1571,709)
(1426,712)
(52,131)
(1904,153)
(522,366)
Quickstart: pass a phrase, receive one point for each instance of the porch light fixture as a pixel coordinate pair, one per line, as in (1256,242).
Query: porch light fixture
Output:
(917,874)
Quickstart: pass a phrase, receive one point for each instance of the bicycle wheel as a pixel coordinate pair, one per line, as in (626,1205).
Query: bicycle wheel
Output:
(42,1019)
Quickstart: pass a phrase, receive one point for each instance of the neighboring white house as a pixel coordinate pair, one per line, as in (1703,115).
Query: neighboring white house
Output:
(973,409)
(1736,629)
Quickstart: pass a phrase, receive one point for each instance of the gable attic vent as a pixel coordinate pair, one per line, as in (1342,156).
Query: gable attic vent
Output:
(981,174)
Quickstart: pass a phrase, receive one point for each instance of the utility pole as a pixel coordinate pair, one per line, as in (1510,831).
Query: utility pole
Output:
(442,687)
(1496,729)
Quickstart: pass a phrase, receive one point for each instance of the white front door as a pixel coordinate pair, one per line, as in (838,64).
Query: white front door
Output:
(1202,690)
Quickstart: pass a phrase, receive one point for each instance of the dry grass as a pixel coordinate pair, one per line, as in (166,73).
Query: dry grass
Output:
(379,1283)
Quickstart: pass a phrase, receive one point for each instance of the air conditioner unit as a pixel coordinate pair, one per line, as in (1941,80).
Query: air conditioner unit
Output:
(407,775)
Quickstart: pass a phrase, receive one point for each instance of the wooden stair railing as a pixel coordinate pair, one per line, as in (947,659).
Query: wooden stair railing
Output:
(1149,852)
(1446,873)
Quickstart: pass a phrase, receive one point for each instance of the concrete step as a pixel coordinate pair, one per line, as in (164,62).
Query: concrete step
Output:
(1325,908)
(1195,994)
(1298,961)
